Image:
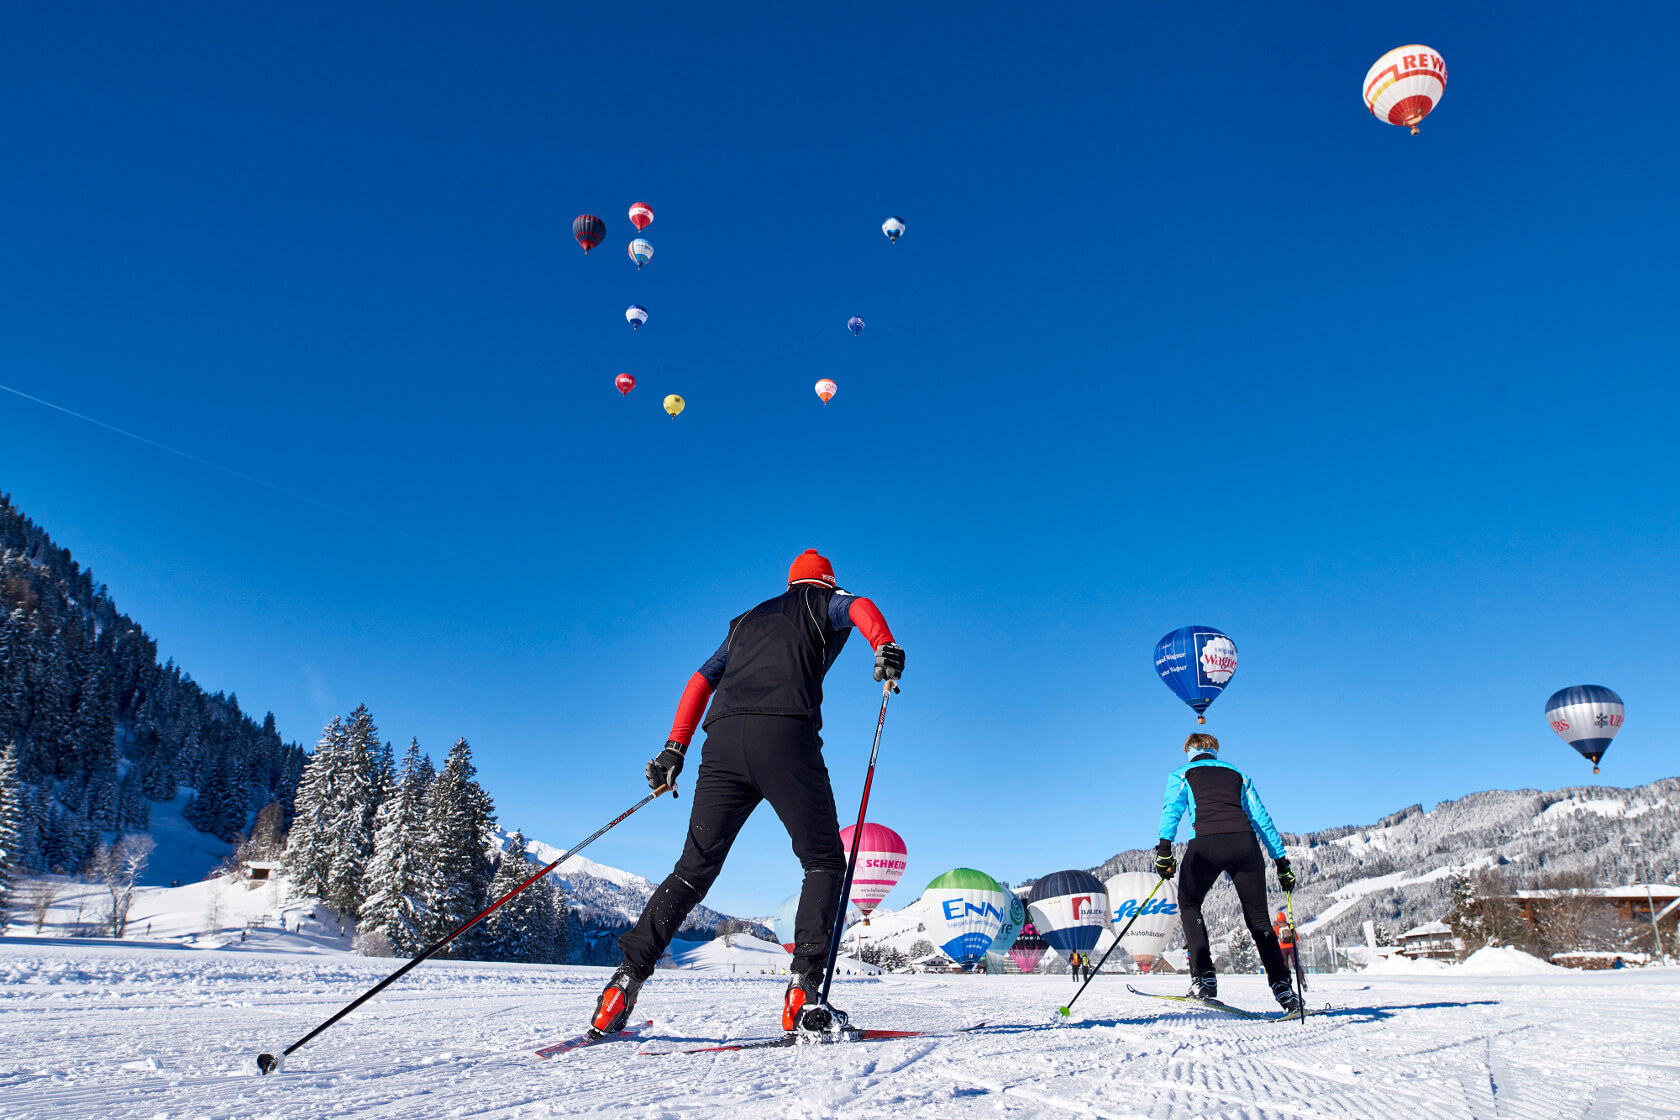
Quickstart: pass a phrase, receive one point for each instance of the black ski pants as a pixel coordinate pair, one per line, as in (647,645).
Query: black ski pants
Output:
(1236,854)
(748,759)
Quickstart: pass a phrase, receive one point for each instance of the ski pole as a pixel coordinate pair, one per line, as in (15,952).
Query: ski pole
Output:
(269,1063)
(1127,928)
(1295,953)
(887,689)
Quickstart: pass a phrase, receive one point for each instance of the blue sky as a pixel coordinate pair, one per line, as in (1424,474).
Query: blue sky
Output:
(1178,334)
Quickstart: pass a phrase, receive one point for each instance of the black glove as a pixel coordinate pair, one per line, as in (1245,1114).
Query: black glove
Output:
(1165,864)
(1286,877)
(663,771)
(889,662)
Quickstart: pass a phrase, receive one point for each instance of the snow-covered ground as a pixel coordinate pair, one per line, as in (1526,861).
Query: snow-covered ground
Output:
(111,1031)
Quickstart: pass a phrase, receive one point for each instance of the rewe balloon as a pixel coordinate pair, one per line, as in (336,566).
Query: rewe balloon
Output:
(640,252)
(826,389)
(674,404)
(1405,84)
(635,315)
(964,909)
(1070,909)
(894,229)
(880,863)
(589,230)
(1586,717)
(625,383)
(641,216)
(783,921)
(1156,923)
(1196,662)
(855,325)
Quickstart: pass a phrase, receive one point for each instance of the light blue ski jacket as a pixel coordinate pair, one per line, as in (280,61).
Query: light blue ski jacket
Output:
(1228,800)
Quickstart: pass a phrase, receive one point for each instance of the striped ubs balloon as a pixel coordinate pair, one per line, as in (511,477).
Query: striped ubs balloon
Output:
(1405,84)
(880,864)
(1586,717)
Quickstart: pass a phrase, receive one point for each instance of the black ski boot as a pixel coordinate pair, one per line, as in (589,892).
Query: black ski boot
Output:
(612,1009)
(1287,999)
(1205,987)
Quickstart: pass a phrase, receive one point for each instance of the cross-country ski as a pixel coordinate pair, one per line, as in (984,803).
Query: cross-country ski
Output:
(592,1037)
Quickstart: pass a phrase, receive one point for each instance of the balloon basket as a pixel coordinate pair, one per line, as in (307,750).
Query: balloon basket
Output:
(1201,719)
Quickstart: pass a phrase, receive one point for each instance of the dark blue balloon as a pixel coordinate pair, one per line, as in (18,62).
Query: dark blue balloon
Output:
(1070,910)
(1197,663)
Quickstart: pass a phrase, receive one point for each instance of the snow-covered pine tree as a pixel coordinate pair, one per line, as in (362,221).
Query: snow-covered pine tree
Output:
(1240,955)
(134,808)
(359,792)
(462,821)
(11,827)
(530,926)
(312,843)
(403,874)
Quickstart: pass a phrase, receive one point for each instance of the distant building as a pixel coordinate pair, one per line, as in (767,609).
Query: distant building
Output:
(259,871)
(1631,904)
(1433,940)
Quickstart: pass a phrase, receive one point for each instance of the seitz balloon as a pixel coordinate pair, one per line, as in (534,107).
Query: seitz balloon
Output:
(963,910)
(1196,662)
(786,915)
(1070,909)
(880,863)
(1156,924)
(1586,717)
(674,404)
(635,315)
(625,383)
(1404,85)
(640,252)
(641,216)
(855,325)
(894,229)
(589,230)
(826,390)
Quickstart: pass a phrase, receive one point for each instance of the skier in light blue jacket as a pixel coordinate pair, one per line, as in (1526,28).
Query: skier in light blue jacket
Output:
(1225,814)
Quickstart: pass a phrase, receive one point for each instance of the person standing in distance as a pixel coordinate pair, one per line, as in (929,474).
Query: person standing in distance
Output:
(763,743)
(1225,815)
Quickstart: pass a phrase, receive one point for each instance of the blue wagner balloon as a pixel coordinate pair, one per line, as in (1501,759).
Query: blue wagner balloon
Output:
(1196,662)
(855,325)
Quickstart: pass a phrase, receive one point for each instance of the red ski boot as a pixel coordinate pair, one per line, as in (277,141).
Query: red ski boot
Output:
(612,1010)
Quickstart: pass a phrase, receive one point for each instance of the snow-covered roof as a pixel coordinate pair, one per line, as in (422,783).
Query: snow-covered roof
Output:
(263,864)
(1664,891)
(1428,929)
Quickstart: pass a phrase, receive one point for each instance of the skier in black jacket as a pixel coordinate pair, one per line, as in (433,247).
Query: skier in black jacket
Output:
(762,744)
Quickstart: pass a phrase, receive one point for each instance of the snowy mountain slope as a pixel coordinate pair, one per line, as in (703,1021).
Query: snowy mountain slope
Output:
(1399,870)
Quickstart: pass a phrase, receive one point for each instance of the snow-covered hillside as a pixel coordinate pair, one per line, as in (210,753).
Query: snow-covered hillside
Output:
(1398,871)
(132,1034)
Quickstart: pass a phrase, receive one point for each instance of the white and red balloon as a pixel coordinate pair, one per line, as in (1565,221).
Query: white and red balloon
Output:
(880,864)
(1404,85)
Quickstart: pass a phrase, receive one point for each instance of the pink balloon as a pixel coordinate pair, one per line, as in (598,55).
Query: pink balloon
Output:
(880,864)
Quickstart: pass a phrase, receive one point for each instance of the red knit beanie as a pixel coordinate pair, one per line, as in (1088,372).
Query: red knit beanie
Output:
(809,567)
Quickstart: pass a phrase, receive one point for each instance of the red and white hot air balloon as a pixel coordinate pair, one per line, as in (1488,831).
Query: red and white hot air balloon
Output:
(1405,84)
(625,383)
(826,389)
(641,215)
(880,863)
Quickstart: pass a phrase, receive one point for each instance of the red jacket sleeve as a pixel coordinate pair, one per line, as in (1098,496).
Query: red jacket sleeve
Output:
(690,708)
(866,616)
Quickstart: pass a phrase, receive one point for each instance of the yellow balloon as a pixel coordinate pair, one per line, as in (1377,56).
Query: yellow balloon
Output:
(674,404)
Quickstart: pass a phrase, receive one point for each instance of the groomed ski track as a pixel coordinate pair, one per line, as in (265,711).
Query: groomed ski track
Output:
(121,1032)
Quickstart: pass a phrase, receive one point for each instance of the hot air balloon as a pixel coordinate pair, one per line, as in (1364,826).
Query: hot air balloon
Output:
(674,404)
(1586,717)
(826,389)
(1405,84)
(1029,948)
(880,862)
(641,216)
(787,914)
(1157,923)
(625,383)
(855,325)
(965,908)
(1014,920)
(635,315)
(1070,909)
(1197,663)
(640,252)
(589,230)
(893,228)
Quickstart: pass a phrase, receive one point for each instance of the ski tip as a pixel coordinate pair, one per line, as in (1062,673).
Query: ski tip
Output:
(270,1063)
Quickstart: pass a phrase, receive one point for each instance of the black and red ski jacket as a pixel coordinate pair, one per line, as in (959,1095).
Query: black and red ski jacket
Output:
(775,657)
